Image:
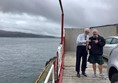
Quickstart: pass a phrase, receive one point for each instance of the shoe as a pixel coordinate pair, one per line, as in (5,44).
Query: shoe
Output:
(94,75)
(78,75)
(101,76)
(84,74)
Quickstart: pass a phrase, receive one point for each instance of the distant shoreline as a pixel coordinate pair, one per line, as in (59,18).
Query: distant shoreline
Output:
(33,37)
(13,34)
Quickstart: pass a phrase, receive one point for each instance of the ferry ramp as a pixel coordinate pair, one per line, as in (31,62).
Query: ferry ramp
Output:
(70,76)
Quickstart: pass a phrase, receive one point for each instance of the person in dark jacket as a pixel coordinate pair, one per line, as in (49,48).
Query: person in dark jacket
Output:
(96,45)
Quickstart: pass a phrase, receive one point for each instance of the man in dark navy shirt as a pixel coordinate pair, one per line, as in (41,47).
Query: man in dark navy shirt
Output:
(96,45)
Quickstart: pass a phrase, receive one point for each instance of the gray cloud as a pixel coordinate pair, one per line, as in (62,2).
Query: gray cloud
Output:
(28,23)
(91,12)
(43,17)
(47,8)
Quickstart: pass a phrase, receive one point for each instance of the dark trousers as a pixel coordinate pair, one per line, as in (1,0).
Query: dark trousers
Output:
(81,52)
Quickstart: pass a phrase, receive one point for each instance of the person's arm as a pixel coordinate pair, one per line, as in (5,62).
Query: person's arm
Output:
(89,45)
(80,40)
(102,42)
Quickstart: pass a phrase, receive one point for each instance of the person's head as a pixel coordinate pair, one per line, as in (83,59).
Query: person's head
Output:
(86,31)
(95,32)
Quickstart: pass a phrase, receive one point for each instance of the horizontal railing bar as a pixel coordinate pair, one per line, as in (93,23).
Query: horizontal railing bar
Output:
(49,74)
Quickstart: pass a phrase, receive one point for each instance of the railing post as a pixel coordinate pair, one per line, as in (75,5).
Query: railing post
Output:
(62,27)
(57,66)
(62,42)
(53,78)
(62,21)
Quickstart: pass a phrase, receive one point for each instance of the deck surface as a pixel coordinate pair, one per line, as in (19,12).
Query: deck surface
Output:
(69,75)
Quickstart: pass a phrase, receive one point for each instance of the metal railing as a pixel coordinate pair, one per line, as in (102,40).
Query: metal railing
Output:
(59,61)
(52,72)
(56,67)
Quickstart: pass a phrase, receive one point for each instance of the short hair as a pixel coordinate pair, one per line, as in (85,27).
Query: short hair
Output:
(94,30)
(87,29)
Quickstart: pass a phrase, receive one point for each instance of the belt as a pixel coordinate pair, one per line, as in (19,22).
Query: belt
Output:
(82,45)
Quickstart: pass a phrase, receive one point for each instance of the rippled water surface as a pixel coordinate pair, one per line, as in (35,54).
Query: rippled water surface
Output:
(22,59)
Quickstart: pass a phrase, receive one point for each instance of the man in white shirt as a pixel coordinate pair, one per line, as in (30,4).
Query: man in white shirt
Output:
(81,51)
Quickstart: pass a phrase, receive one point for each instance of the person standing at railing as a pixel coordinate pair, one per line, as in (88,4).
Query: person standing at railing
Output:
(82,52)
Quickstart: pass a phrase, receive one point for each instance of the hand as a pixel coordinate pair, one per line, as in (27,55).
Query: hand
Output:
(96,41)
(89,47)
(88,41)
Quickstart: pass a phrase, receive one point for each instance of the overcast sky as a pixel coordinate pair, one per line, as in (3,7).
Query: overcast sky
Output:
(43,16)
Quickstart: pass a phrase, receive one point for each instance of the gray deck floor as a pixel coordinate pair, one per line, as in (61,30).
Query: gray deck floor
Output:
(69,75)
